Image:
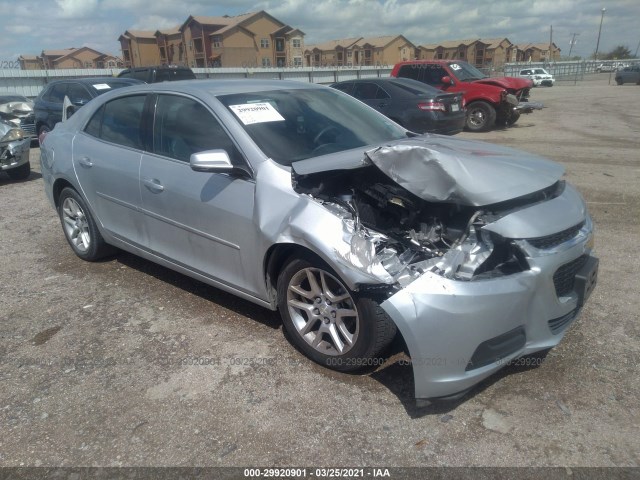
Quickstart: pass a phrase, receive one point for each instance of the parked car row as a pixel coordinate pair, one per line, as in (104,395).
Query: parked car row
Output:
(304,200)
(489,101)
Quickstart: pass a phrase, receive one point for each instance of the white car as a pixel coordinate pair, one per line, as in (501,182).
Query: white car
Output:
(539,76)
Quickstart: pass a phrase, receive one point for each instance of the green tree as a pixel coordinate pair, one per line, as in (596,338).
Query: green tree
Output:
(619,52)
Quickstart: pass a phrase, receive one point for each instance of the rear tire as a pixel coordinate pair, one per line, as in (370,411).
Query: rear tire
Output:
(330,324)
(481,116)
(80,228)
(619,81)
(20,173)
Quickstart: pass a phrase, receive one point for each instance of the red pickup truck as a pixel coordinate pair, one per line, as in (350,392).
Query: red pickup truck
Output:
(490,101)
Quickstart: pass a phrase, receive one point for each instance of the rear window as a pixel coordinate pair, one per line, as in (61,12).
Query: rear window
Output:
(100,87)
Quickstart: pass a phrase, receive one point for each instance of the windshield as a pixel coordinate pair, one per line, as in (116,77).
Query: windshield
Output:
(540,71)
(293,125)
(465,72)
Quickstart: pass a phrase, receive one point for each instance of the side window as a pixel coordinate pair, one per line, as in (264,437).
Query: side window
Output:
(141,75)
(434,74)
(344,87)
(183,126)
(121,121)
(412,71)
(365,91)
(57,93)
(93,126)
(381,94)
(125,74)
(78,94)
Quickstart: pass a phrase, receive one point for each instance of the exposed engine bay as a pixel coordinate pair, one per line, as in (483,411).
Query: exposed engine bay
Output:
(388,226)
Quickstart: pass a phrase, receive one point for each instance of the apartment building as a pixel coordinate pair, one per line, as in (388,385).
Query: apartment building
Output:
(482,52)
(248,40)
(69,58)
(534,52)
(139,48)
(384,50)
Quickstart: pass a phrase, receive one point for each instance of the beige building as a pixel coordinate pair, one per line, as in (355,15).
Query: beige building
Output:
(69,58)
(483,52)
(369,51)
(139,48)
(30,62)
(249,40)
(534,52)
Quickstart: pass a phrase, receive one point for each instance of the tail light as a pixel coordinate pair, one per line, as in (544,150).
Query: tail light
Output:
(42,136)
(432,106)
(464,103)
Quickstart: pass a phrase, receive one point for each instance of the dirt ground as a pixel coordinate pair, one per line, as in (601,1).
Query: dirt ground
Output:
(124,363)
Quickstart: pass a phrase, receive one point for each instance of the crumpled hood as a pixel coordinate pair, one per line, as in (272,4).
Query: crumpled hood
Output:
(508,83)
(448,170)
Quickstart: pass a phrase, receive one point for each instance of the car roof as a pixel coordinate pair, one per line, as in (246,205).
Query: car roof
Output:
(394,82)
(222,87)
(93,80)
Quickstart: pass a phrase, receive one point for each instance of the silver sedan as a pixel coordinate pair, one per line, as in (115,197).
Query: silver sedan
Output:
(302,199)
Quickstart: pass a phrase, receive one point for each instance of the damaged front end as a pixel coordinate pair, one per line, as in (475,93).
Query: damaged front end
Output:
(14,148)
(18,111)
(443,226)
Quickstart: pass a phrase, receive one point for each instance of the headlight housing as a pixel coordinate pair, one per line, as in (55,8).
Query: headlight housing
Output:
(13,135)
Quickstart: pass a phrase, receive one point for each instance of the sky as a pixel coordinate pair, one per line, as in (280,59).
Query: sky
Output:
(30,26)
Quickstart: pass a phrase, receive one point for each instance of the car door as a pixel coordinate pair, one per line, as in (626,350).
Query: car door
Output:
(199,220)
(106,159)
(372,95)
(53,104)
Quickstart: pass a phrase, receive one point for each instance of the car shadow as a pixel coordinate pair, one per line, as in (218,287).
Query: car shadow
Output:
(5,179)
(397,377)
(206,292)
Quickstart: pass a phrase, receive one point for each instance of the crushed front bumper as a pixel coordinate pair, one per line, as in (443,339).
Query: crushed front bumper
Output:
(460,332)
(14,154)
(528,107)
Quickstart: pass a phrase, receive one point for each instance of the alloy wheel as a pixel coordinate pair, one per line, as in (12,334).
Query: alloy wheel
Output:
(323,311)
(76,225)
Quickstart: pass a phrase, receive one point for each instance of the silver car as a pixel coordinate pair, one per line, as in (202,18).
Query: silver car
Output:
(302,199)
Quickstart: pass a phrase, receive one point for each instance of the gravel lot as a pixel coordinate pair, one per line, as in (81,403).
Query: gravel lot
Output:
(96,358)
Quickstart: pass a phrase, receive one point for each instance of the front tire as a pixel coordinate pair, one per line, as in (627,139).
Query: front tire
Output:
(80,228)
(515,115)
(329,323)
(481,116)
(20,173)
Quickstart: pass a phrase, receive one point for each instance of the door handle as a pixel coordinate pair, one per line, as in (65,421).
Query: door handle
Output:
(153,185)
(85,162)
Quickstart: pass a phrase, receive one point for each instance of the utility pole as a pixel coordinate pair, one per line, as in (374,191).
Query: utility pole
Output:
(635,55)
(572,42)
(599,32)
(550,56)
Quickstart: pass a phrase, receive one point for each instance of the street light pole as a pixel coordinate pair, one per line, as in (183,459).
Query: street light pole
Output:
(599,32)
(572,43)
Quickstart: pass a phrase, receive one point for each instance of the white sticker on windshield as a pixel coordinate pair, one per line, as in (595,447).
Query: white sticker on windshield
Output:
(455,66)
(250,113)
(101,86)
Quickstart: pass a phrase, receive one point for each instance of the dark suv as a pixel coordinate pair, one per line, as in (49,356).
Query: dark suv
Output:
(158,74)
(48,106)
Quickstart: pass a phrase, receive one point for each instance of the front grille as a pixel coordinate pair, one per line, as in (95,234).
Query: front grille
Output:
(555,239)
(565,276)
(28,124)
(557,325)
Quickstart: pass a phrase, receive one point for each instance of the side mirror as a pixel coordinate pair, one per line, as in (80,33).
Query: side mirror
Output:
(211,161)
(447,80)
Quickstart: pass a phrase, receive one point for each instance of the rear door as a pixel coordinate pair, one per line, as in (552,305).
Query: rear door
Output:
(199,220)
(372,95)
(106,159)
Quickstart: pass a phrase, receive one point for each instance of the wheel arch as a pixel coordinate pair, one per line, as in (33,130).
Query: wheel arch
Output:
(59,185)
